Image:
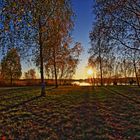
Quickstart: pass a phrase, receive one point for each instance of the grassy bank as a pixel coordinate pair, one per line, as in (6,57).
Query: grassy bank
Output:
(69,113)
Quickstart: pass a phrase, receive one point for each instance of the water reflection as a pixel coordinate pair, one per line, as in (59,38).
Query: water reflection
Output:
(81,83)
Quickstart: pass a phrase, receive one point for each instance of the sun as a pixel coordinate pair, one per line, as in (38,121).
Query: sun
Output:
(90,72)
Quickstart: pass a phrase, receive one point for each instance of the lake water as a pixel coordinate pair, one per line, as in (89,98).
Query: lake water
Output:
(81,83)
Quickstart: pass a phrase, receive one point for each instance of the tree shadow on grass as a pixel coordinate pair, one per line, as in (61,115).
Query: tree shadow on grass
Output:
(8,107)
(5,90)
(20,104)
(89,117)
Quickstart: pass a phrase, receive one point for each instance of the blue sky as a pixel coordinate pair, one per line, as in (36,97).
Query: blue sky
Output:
(83,25)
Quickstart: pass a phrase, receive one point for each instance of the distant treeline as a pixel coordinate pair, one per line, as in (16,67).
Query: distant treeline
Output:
(114,81)
(51,82)
(33,82)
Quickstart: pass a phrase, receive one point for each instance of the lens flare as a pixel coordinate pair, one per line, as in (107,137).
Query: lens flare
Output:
(90,72)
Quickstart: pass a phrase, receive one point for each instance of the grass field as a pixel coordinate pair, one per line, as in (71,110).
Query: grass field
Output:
(70,113)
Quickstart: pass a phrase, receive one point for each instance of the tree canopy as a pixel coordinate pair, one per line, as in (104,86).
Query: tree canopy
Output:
(115,40)
(31,25)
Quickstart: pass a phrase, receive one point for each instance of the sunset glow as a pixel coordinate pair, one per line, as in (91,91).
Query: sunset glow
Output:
(90,71)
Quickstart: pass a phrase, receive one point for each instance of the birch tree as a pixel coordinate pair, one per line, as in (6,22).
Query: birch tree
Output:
(33,22)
